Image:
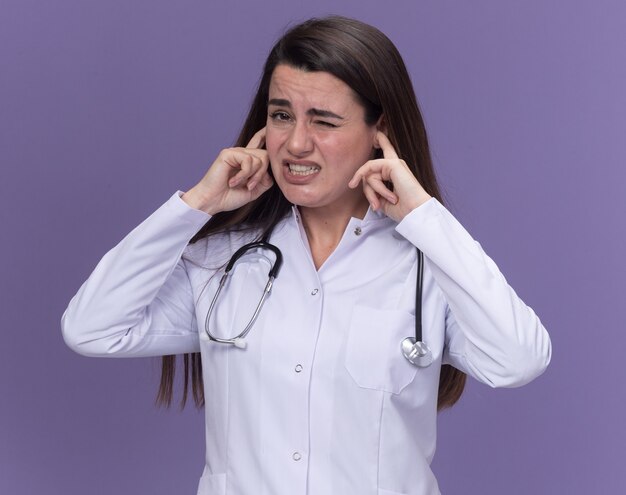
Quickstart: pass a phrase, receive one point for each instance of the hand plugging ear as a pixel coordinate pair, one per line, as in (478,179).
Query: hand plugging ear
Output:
(236,177)
(407,192)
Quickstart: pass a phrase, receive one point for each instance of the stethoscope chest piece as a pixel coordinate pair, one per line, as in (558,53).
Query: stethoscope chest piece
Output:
(417,352)
(414,349)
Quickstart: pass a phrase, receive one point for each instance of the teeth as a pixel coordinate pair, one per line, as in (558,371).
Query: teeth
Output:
(296,169)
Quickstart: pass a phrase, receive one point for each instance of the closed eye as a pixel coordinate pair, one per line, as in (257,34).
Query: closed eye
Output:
(325,123)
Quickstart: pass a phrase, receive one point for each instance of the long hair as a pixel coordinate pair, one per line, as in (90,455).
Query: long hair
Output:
(369,63)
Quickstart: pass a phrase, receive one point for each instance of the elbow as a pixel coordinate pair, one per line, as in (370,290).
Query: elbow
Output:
(89,336)
(522,366)
(72,336)
(524,371)
(76,335)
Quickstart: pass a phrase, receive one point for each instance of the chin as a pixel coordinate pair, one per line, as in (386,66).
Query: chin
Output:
(294,194)
(301,200)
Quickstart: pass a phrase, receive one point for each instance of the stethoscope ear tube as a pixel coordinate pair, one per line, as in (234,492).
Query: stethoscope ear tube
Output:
(414,349)
(239,340)
(278,262)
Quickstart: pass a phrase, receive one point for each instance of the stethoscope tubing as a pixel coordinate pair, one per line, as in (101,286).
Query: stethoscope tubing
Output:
(239,341)
(418,296)
(414,349)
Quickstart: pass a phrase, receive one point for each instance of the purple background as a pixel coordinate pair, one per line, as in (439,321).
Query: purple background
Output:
(106,108)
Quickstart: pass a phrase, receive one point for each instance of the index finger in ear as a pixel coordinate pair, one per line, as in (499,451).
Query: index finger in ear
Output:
(258,140)
(385,145)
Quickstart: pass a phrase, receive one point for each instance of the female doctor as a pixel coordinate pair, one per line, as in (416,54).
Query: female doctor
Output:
(331,387)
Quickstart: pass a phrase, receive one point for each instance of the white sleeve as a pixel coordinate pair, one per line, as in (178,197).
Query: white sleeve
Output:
(138,300)
(490,333)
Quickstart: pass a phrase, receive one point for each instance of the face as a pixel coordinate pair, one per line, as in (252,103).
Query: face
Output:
(316,139)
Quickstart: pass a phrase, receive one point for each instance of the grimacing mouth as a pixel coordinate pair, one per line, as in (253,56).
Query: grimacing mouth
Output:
(302,169)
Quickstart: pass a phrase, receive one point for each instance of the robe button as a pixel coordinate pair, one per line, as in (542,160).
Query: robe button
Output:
(358,231)
(298,368)
(314,291)
(296,456)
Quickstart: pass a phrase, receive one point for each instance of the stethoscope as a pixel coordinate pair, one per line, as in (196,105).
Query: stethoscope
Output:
(414,349)
(239,340)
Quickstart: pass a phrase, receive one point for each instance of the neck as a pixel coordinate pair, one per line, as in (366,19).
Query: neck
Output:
(325,226)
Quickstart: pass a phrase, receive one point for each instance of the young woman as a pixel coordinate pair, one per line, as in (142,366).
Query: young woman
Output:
(328,385)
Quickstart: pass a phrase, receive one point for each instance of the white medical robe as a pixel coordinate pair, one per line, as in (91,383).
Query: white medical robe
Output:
(321,401)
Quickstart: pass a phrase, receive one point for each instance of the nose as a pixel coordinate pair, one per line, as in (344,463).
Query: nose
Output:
(299,141)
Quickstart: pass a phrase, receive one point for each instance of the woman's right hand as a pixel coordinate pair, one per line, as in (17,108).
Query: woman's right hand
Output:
(236,177)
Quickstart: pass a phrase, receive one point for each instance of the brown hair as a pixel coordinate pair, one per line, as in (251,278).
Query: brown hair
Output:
(367,61)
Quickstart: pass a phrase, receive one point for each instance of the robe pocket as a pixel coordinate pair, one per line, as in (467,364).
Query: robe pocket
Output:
(212,484)
(373,349)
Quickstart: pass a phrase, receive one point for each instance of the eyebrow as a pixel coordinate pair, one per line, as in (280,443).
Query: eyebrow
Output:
(317,112)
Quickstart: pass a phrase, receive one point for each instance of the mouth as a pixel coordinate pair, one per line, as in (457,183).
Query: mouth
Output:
(302,169)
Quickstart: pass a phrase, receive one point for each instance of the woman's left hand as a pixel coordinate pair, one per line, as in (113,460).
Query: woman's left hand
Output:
(407,192)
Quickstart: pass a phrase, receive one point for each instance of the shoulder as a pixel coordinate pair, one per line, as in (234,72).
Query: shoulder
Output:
(214,251)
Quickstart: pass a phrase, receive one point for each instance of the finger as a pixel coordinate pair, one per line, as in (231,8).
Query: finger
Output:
(255,152)
(383,141)
(248,164)
(359,175)
(371,196)
(235,157)
(381,189)
(258,140)
(258,176)
(266,181)
(379,166)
